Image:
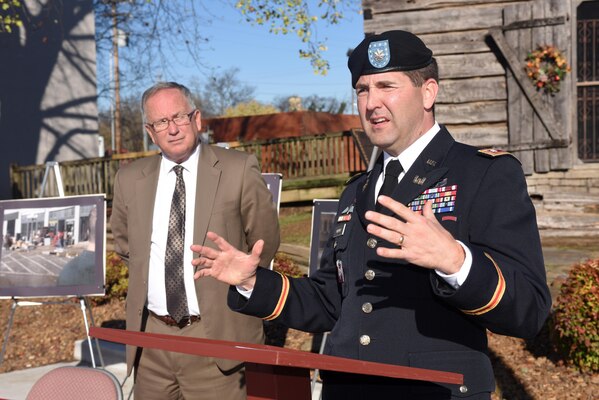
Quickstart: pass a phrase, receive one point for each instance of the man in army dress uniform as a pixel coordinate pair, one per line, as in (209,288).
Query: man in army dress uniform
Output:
(432,247)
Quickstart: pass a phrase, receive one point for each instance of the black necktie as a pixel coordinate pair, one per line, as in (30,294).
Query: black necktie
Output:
(176,299)
(392,172)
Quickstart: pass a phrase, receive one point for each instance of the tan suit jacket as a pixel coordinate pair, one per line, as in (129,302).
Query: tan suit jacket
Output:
(231,200)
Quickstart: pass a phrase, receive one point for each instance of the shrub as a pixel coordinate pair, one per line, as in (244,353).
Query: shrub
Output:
(285,265)
(576,317)
(117,279)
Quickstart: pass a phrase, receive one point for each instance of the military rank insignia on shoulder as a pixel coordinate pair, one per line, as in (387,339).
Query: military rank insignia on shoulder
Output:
(353,178)
(492,153)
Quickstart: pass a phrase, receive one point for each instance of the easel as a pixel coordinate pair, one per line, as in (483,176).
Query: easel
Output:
(53,165)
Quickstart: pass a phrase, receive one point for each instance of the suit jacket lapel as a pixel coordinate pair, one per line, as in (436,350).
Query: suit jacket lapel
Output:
(208,178)
(145,190)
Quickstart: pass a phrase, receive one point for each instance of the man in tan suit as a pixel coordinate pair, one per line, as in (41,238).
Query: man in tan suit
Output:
(208,188)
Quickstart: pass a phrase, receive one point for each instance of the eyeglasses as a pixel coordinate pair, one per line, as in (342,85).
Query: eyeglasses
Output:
(179,120)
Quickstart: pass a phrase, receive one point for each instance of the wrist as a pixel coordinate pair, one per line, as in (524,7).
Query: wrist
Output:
(455,261)
(249,282)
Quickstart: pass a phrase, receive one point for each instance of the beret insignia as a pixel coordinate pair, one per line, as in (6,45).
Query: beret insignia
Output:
(379,54)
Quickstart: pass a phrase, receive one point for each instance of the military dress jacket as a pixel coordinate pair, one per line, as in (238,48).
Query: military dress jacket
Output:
(232,200)
(389,311)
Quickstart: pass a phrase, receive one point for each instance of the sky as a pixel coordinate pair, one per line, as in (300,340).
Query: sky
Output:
(270,63)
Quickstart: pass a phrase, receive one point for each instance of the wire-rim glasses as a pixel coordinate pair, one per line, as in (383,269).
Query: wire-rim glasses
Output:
(179,120)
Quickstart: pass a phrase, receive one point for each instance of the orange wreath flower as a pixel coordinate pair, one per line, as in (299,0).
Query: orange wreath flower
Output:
(546,67)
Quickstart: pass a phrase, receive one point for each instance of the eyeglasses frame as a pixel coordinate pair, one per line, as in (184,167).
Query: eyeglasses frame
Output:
(169,120)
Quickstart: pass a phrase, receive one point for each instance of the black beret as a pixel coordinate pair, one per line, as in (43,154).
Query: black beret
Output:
(388,51)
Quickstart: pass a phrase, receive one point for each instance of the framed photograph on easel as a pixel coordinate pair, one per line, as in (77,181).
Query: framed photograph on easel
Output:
(53,246)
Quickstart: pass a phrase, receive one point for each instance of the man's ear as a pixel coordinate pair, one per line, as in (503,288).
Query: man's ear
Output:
(150,133)
(198,120)
(430,88)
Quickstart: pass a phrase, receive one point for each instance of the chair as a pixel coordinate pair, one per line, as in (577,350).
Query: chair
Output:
(76,383)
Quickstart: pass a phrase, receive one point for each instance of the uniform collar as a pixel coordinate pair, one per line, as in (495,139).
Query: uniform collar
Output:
(409,155)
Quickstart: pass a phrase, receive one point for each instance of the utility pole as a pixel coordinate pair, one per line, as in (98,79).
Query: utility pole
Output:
(353,92)
(117,96)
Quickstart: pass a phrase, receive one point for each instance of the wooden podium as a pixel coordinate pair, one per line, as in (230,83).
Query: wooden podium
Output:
(272,372)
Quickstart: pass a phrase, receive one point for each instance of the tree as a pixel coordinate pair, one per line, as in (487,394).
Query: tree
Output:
(135,27)
(222,91)
(10,15)
(299,17)
(132,129)
(252,107)
(311,103)
(138,24)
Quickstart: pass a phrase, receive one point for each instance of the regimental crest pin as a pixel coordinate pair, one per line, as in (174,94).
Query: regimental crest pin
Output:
(379,54)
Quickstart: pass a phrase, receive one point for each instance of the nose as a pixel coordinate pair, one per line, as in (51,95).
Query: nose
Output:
(172,127)
(373,99)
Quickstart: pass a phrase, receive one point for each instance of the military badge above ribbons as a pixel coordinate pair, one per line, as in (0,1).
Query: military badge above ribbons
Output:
(443,199)
(379,54)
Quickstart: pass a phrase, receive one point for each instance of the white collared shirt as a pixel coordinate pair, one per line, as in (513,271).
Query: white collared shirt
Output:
(162,207)
(406,159)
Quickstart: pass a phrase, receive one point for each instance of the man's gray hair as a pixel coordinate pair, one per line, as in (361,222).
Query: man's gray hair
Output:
(161,86)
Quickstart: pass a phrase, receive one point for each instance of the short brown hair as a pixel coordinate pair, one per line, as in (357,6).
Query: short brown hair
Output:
(419,76)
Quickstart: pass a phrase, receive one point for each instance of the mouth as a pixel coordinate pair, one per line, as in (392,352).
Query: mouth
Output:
(378,120)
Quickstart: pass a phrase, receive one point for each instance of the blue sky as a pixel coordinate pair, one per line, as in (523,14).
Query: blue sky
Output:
(270,63)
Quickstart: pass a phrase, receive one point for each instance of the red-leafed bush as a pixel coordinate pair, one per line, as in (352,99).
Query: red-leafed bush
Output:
(576,317)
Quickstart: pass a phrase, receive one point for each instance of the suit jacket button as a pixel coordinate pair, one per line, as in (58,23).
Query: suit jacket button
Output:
(364,340)
(369,275)
(371,242)
(367,308)
(139,312)
(463,389)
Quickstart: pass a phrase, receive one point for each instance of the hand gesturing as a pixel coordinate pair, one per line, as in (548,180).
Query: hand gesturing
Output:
(227,264)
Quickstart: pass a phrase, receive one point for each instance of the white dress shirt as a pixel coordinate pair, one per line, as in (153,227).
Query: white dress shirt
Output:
(162,208)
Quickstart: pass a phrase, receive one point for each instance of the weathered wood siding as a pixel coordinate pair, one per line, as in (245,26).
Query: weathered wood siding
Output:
(476,87)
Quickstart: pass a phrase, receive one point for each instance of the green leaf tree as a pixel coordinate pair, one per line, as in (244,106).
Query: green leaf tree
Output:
(10,15)
(299,17)
(251,107)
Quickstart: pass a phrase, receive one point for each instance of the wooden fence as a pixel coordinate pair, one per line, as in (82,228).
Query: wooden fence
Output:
(304,157)
(310,156)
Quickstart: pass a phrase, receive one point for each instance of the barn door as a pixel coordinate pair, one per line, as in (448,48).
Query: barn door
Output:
(538,123)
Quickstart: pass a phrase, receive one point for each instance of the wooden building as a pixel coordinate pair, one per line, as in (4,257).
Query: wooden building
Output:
(486,97)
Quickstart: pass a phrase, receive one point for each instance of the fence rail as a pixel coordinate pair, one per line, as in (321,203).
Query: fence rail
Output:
(303,157)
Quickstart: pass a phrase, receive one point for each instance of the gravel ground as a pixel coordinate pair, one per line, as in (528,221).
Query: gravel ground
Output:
(525,370)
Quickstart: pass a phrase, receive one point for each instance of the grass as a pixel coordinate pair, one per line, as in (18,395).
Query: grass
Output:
(295,223)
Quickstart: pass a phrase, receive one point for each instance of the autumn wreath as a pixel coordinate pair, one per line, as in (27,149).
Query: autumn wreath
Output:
(546,68)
